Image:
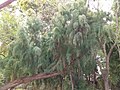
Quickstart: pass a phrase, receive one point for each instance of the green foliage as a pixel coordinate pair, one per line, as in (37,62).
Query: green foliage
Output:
(67,40)
(8,29)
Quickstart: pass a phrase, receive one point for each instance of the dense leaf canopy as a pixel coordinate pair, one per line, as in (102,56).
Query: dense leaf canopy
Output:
(63,37)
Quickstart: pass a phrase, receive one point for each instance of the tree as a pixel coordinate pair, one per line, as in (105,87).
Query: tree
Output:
(30,48)
(71,44)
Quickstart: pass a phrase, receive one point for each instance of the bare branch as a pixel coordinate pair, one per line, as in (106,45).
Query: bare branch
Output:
(6,3)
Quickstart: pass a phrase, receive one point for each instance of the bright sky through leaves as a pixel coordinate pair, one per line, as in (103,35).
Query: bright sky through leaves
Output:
(1,1)
(104,5)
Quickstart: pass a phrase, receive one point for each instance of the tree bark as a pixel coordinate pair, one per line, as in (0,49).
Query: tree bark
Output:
(106,81)
(106,84)
(72,81)
(29,79)
(105,76)
(6,3)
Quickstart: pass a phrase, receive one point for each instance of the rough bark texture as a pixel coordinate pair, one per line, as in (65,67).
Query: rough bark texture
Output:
(106,84)
(28,79)
(6,3)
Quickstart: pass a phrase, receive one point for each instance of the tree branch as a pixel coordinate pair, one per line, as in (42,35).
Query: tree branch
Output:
(6,3)
(29,79)
(108,56)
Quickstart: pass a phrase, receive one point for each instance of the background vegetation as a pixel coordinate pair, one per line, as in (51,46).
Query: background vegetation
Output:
(59,45)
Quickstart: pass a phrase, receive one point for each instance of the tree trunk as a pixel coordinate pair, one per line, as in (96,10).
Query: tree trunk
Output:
(106,84)
(105,76)
(106,81)
(72,81)
(106,72)
(29,79)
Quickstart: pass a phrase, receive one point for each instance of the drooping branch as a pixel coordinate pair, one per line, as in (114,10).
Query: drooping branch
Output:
(6,3)
(2,54)
(28,79)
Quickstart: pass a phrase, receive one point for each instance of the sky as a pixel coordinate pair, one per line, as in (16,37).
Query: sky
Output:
(104,5)
(1,1)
